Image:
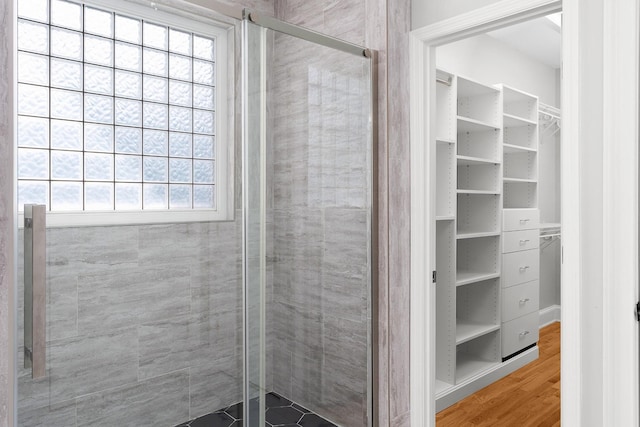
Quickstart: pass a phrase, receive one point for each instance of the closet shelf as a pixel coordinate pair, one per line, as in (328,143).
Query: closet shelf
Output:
(468,88)
(510,148)
(461,236)
(464,277)
(468,160)
(508,180)
(467,331)
(466,124)
(468,366)
(511,121)
(445,141)
(490,192)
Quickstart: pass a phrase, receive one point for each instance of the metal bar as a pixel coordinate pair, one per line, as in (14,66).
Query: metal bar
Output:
(548,236)
(549,110)
(373,351)
(35,294)
(305,34)
(444,81)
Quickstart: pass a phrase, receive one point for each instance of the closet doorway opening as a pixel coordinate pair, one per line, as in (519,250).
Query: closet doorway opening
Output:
(497,202)
(485,200)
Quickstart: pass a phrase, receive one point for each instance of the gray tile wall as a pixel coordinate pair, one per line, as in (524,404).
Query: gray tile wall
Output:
(382,25)
(144,325)
(319,314)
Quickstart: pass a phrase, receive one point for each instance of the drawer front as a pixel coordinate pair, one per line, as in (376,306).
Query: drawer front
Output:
(520,267)
(520,219)
(520,240)
(519,333)
(520,300)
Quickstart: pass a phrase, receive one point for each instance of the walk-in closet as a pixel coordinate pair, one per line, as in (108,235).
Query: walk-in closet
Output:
(497,212)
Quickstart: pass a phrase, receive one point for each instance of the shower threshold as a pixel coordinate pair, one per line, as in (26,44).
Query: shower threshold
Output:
(281,412)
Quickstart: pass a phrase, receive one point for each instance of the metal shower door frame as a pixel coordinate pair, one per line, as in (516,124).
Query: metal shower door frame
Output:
(265,22)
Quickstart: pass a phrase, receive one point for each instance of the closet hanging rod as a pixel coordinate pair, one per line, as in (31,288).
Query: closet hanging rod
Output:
(446,81)
(545,236)
(550,120)
(548,116)
(548,110)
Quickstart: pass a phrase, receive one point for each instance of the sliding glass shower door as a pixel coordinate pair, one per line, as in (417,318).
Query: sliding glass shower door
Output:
(157,321)
(308,190)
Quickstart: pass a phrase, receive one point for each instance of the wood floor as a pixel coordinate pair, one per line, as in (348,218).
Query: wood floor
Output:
(528,397)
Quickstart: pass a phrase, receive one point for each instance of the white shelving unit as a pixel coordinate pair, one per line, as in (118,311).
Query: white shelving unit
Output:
(446,130)
(468,224)
(520,148)
(520,258)
(471,121)
(477,356)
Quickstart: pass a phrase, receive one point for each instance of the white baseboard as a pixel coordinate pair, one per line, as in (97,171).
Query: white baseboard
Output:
(550,315)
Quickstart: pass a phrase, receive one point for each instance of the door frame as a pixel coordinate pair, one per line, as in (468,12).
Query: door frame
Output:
(619,113)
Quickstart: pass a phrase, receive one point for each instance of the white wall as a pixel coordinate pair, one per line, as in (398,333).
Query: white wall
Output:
(424,12)
(549,174)
(490,61)
(549,202)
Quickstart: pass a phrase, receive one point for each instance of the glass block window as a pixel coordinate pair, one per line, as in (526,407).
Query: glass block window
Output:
(114,112)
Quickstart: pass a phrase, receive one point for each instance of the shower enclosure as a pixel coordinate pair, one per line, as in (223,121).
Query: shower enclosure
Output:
(308,199)
(183,322)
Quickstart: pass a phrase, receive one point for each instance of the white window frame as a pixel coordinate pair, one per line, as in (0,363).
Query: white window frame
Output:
(224,135)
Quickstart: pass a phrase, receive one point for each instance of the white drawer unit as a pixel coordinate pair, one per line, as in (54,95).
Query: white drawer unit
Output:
(514,241)
(520,300)
(519,333)
(520,219)
(520,267)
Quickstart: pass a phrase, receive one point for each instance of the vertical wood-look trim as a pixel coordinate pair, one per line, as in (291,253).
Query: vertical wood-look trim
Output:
(7,215)
(399,159)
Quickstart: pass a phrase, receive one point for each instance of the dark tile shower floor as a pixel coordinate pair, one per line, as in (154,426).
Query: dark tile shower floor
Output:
(281,412)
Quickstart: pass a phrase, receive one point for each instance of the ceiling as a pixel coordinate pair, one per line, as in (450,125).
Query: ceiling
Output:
(540,39)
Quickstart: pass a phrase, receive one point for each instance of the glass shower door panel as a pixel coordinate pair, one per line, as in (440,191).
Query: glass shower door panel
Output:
(254,197)
(315,270)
